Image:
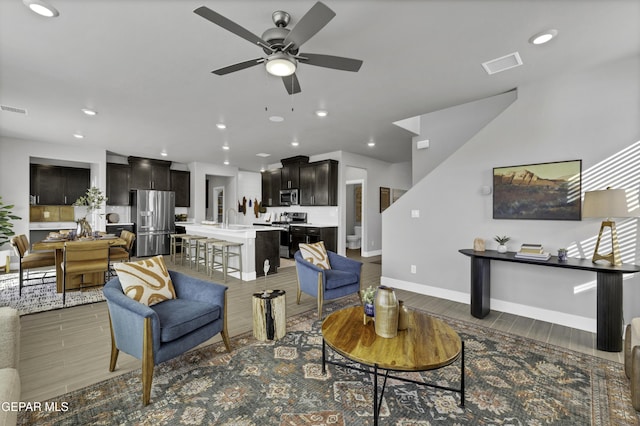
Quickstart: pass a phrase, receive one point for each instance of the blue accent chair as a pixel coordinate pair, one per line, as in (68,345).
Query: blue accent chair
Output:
(327,284)
(158,333)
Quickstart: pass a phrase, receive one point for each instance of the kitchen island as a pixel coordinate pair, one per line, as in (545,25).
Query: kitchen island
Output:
(258,243)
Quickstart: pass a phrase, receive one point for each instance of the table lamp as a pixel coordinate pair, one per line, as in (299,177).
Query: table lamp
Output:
(607,203)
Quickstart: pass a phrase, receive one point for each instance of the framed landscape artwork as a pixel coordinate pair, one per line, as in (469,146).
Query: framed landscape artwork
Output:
(545,191)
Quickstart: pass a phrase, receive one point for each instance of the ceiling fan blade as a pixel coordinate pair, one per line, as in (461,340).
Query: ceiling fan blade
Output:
(292,84)
(229,25)
(239,66)
(329,61)
(312,22)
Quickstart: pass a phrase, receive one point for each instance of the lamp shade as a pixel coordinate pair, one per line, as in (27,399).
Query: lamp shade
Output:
(606,203)
(280,65)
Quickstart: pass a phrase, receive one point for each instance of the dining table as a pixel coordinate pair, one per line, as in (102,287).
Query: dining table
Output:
(57,244)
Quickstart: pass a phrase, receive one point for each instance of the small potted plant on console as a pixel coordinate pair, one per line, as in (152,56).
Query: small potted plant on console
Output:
(502,243)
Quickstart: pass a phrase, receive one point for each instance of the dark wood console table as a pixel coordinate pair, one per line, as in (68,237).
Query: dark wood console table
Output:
(609,289)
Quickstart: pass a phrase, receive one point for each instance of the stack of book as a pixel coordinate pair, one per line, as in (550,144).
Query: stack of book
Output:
(533,252)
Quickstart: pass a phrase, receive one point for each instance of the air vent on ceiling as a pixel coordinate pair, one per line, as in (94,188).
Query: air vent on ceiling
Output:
(503,63)
(13,109)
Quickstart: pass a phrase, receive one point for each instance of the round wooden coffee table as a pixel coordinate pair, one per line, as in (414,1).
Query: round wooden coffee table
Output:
(427,344)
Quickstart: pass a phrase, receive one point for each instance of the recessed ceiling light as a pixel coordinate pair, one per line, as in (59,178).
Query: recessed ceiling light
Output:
(295,143)
(371,144)
(226,162)
(263,154)
(322,113)
(221,126)
(262,169)
(163,153)
(78,135)
(276,118)
(42,8)
(89,112)
(225,147)
(543,37)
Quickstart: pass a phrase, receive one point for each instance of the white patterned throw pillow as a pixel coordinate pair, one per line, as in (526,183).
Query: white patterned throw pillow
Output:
(315,253)
(146,281)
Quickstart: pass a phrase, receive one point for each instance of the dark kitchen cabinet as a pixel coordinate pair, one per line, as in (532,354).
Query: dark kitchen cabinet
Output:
(313,234)
(181,185)
(118,184)
(319,183)
(76,183)
(147,173)
(271,188)
(267,247)
(290,172)
(55,185)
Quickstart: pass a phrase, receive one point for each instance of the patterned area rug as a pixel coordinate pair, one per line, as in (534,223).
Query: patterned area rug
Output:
(39,293)
(509,381)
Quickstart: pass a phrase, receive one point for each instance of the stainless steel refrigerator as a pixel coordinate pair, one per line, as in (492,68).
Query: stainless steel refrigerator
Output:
(153,213)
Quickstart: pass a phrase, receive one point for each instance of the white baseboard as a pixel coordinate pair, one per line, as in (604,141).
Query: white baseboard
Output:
(370,253)
(555,317)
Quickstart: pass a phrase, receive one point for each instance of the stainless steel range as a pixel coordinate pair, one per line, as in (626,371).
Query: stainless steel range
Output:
(287,219)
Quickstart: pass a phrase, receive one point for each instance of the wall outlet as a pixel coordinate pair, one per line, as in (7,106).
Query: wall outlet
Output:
(413,269)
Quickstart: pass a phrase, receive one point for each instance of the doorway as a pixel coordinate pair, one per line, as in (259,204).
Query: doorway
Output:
(355,216)
(218,204)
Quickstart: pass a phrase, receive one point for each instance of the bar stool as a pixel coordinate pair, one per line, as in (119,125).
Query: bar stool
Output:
(204,252)
(174,243)
(223,248)
(189,249)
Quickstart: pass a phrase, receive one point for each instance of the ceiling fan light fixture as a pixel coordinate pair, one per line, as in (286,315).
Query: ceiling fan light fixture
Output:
(42,8)
(280,65)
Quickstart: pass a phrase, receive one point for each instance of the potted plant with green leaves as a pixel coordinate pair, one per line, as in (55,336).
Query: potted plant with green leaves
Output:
(368,297)
(502,243)
(92,201)
(6,232)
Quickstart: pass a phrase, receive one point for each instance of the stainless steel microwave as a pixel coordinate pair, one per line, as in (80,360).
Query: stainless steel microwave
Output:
(289,197)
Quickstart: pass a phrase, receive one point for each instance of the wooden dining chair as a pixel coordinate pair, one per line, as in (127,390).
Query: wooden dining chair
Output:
(29,260)
(121,253)
(82,258)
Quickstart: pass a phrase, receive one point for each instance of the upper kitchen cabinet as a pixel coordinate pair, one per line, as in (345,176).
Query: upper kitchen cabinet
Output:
(55,185)
(150,174)
(290,172)
(271,188)
(118,184)
(181,185)
(319,183)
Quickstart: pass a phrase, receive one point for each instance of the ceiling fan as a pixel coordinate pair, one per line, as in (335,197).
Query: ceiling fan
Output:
(281,45)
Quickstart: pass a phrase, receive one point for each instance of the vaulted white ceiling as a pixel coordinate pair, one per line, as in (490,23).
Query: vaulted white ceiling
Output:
(145,66)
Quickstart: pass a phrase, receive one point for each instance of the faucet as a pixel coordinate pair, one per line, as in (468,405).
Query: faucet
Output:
(226,219)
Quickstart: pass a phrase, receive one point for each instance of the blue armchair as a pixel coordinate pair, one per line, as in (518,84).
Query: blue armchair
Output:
(327,284)
(157,333)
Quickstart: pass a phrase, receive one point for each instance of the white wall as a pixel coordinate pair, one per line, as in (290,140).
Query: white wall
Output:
(589,115)
(446,132)
(249,187)
(379,173)
(198,176)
